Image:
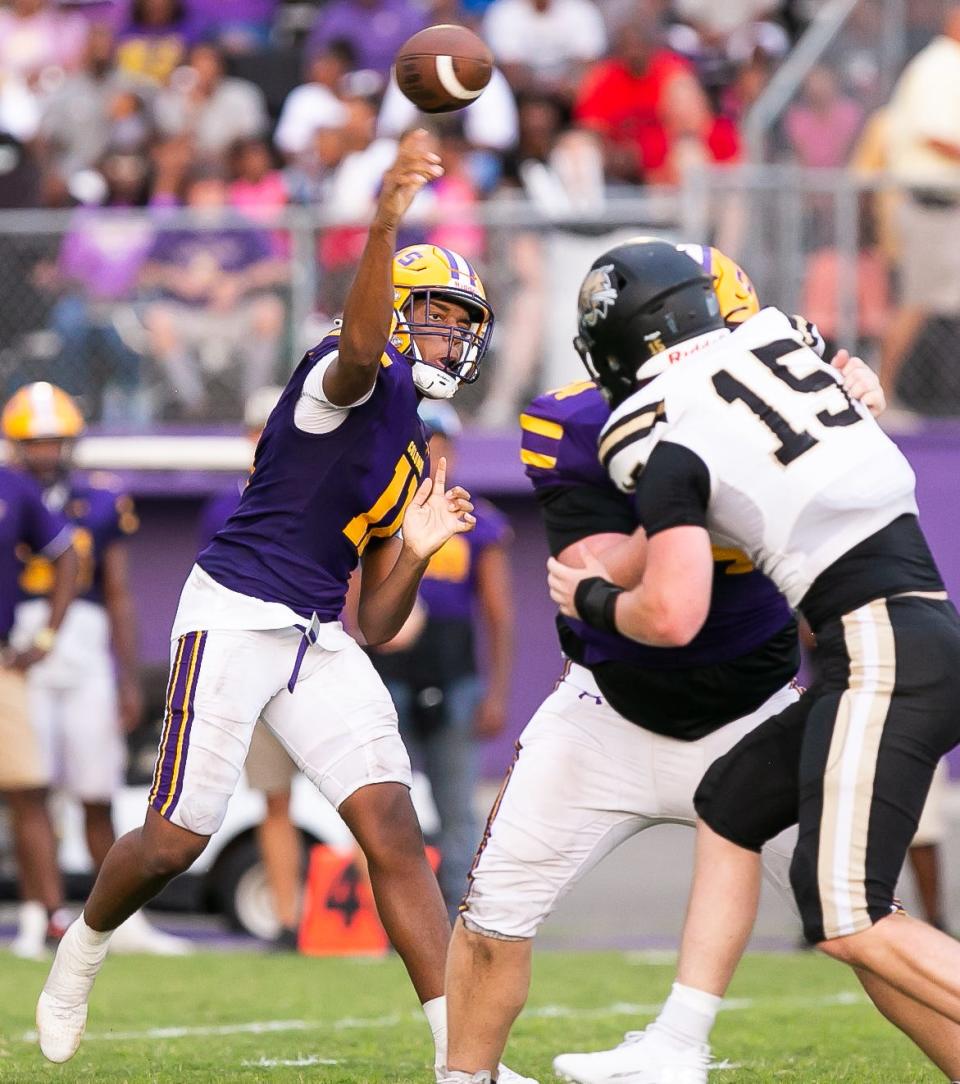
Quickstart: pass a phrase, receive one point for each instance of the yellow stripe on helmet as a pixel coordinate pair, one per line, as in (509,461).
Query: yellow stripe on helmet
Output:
(41,411)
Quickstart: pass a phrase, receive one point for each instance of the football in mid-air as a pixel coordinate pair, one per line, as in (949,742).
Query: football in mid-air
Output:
(443,68)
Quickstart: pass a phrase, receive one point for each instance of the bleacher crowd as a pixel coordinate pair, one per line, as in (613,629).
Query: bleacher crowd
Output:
(243,109)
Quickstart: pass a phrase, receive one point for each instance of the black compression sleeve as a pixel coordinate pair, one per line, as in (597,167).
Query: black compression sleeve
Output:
(673,490)
(572,513)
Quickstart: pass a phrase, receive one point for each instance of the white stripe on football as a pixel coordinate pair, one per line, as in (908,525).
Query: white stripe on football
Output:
(451,84)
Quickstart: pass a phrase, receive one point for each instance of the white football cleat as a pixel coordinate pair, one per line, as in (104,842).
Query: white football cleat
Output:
(504,1076)
(508,1076)
(644,1057)
(60,1027)
(62,1006)
(31,940)
(137,935)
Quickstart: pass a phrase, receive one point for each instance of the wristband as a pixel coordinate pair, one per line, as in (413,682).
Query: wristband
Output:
(44,639)
(596,601)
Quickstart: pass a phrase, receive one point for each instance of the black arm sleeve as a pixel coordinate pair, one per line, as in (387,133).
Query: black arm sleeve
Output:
(572,513)
(673,489)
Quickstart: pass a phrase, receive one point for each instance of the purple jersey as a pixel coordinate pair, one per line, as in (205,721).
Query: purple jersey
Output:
(101,515)
(315,501)
(27,527)
(227,249)
(218,509)
(559,450)
(449,585)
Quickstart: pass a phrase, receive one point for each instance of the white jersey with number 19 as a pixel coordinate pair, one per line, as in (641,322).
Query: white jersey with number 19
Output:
(799,473)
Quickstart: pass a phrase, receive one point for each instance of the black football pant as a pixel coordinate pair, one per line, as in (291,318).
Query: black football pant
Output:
(852,760)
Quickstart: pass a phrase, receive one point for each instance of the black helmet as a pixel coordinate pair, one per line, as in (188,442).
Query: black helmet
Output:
(638,299)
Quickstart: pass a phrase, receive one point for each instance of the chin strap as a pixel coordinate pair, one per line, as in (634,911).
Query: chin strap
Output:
(433,383)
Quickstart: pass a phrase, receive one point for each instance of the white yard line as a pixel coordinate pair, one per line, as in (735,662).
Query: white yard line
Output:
(284,1063)
(536,1012)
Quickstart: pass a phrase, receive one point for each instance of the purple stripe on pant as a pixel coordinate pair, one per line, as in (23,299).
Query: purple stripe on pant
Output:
(175,753)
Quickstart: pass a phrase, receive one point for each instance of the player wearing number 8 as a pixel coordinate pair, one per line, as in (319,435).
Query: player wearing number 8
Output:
(751,441)
(336,472)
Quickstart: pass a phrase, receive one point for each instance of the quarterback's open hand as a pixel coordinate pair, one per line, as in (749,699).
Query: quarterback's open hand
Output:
(860,382)
(563,580)
(436,515)
(416,165)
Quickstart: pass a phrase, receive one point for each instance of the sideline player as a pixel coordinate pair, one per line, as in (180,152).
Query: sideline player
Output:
(26,522)
(257,634)
(754,441)
(75,709)
(626,736)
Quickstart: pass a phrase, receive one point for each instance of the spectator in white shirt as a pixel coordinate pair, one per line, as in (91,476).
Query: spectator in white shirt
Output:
(543,45)
(315,104)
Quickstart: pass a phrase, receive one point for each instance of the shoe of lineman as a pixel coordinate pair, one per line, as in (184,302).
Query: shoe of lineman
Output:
(504,1076)
(508,1076)
(644,1057)
(137,935)
(62,1006)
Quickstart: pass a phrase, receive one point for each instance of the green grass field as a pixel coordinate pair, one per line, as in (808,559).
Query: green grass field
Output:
(247,1017)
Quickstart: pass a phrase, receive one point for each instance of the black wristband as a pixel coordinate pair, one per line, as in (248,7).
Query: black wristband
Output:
(596,602)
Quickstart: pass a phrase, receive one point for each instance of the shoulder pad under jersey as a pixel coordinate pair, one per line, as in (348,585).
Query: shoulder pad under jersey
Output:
(559,432)
(631,434)
(808,334)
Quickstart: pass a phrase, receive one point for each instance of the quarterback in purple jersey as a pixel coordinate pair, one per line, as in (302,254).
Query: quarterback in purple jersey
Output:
(622,742)
(86,692)
(339,468)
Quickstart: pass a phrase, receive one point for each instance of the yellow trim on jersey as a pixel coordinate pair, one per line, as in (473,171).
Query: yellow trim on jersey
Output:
(568,391)
(393,526)
(627,428)
(358,527)
(537,459)
(739,563)
(541,426)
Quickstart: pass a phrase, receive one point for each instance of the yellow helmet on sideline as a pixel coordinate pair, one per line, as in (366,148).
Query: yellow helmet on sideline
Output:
(41,411)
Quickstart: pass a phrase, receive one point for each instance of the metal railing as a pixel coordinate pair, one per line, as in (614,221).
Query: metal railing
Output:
(808,238)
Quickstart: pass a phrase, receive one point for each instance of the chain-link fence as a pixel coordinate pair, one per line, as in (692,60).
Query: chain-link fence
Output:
(849,253)
(168,316)
(163,317)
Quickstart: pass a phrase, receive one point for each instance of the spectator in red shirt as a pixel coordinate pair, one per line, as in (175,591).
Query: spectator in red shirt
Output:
(652,114)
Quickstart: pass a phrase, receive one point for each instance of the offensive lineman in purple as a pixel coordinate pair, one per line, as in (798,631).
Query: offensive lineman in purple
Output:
(746,650)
